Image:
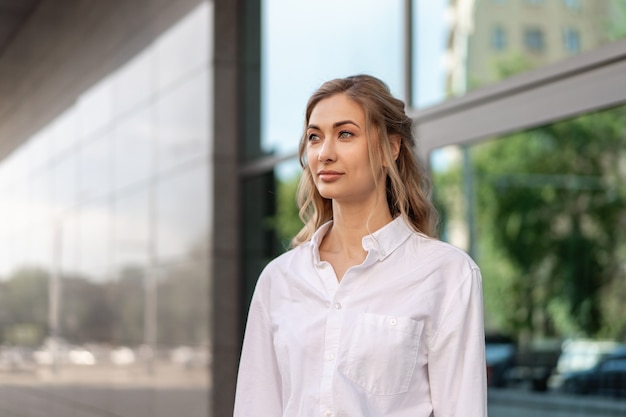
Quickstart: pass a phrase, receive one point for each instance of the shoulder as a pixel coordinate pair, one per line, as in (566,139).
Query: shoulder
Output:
(284,263)
(288,258)
(280,274)
(436,255)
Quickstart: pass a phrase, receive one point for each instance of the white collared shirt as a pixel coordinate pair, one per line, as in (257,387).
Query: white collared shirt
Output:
(401,335)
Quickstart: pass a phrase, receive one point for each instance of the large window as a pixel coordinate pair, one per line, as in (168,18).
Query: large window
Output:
(533,190)
(498,38)
(534,40)
(543,211)
(104,234)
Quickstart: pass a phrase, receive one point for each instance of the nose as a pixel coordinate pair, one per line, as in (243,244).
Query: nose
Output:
(326,152)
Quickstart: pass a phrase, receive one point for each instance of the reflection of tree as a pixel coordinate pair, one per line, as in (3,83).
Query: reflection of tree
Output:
(86,313)
(552,224)
(24,304)
(287,222)
(110,312)
(127,295)
(616,24)
(183,312)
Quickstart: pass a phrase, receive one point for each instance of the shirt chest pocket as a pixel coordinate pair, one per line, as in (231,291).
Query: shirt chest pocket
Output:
(382,353)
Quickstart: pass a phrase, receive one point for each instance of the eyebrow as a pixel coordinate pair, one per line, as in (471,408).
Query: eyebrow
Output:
(336,124)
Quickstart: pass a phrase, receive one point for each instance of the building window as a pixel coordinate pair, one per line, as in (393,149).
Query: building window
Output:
(534,40)
(572,4)
(571,40)
(498,38)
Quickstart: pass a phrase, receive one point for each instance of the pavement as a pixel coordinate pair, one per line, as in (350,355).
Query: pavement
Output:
(524,403)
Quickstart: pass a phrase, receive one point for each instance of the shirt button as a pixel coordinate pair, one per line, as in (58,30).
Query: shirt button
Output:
(328,413)
(330,357)
(338,306)
(393,322)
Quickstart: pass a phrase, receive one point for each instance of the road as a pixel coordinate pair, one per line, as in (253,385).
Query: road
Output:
(105,391)
(178,393)
(522,403)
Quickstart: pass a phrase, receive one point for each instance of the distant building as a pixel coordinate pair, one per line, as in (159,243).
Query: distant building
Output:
(487,35)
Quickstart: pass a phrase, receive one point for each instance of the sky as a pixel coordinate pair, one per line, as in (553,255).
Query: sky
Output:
(308,42)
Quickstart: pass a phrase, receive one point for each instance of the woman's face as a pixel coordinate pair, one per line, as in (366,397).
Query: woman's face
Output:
(337,151)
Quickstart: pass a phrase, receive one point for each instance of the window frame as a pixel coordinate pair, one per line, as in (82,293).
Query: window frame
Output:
(584,83)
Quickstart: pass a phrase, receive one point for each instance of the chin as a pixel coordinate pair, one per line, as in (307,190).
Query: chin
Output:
(328,194)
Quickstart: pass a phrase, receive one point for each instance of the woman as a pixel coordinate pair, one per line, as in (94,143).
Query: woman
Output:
(368,315)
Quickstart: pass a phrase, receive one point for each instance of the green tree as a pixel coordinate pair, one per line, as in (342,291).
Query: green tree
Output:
(24,305)
(551,199)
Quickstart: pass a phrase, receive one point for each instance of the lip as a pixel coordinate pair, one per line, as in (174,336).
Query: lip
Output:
(329,176)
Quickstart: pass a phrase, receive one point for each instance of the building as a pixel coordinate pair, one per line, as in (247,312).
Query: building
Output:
(490,39)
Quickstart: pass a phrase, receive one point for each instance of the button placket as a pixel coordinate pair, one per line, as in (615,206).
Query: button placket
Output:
(334,321)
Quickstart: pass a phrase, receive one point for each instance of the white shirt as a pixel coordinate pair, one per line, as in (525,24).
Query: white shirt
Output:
(401,335)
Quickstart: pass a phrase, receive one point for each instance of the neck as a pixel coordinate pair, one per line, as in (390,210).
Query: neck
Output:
(352,222)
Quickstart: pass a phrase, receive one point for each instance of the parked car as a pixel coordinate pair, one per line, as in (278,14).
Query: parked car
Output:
(535,362)
(591,367)
(607,377)
(500,351)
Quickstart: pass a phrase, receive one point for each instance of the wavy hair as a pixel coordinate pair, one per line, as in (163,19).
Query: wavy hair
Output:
(407,185)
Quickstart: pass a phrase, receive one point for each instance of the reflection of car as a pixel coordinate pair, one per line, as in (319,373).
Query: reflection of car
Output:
(122,356)
(607,377)
(500,353)
(58,351)
(579,359)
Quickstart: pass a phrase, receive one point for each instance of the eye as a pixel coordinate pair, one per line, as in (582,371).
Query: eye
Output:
(344,134)
(313,137)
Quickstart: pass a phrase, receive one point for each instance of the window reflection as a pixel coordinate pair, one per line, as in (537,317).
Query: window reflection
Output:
(182,123)
(133,83)
(571,40)
(94,241)
(66,250)
(131,230)
(64,133)
(498,38)
(534,39)
(94,172)
(184,48)
(41,246)
(495,40)
(133,149)
(182,292)
(63,174)
(181,213)
(95,109)
(547,221)
(86,220)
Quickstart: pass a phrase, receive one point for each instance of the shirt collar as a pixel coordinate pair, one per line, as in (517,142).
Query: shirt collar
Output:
(383,241)
(387,239)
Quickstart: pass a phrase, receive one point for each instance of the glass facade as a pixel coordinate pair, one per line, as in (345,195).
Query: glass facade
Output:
(543,212)
(105,228)
(551,259)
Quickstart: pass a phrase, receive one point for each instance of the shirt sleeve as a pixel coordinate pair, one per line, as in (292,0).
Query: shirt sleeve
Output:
(258,391)
(456,361)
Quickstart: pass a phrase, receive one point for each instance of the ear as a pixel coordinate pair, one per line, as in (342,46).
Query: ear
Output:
(394,141)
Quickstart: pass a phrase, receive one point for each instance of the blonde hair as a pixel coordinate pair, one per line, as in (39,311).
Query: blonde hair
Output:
(407,185)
